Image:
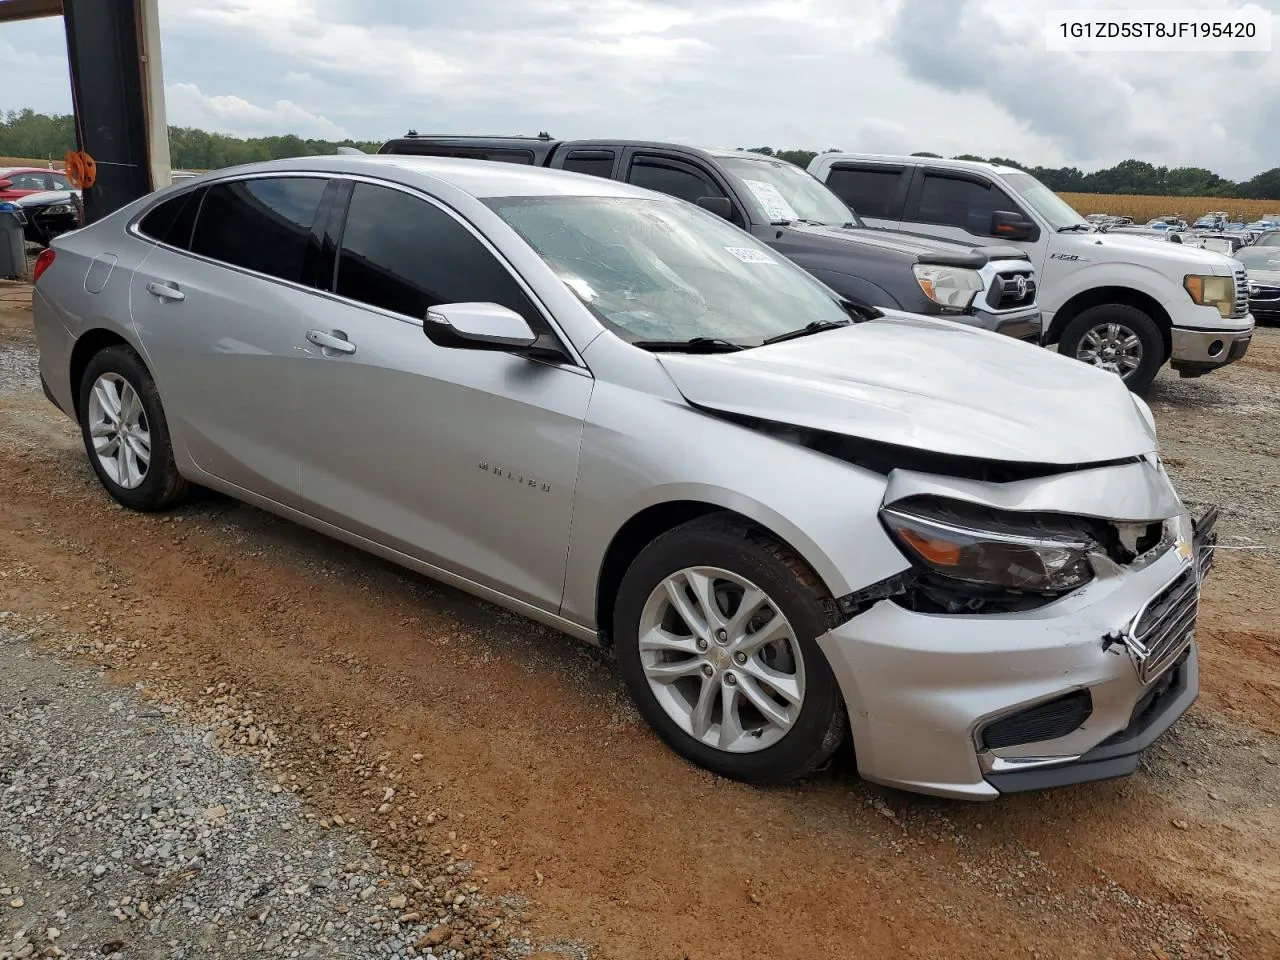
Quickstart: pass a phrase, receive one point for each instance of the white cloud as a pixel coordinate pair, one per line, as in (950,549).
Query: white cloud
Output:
(187,106)
(950,76)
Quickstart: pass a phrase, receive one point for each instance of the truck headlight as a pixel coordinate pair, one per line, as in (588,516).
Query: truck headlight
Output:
(951,287)
(1026,559)
(1217,292)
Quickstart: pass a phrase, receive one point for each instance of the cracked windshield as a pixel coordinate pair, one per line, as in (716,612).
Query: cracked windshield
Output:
(665,271)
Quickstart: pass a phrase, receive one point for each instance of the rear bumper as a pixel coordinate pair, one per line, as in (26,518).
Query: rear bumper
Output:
(1197,351)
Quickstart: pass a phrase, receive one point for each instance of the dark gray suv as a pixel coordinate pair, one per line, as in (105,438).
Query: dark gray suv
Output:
(993,287)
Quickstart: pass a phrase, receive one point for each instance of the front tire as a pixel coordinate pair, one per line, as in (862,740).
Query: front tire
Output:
(716,630)
(1117,338)
(125,432)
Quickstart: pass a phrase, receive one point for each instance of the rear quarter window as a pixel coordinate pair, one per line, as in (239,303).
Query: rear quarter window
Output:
(171,222)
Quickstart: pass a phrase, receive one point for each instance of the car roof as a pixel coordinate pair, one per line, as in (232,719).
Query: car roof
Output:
(479,178)
(5,171)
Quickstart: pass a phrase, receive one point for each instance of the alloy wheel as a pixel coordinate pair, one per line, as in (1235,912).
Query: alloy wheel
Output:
(1111,346)
(721,659)
(119,430)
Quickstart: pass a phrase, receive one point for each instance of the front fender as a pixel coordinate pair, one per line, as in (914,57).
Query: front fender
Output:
(1055,294)
(824,509)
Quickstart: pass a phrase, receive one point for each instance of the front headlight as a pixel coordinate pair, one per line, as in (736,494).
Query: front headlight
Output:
(1049,562)
(1217,292)
(952,287)
(60,209)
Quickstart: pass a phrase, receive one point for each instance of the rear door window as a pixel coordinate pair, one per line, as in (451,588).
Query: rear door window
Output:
(597,163)
(872,191)
(264,225)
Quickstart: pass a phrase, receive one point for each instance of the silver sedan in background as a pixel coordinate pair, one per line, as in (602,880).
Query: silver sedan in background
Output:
(615,413)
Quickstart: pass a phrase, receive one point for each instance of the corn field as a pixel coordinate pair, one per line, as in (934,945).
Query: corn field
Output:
(1144,208)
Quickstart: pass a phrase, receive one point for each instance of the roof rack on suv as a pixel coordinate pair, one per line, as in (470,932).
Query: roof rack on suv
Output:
(542,135)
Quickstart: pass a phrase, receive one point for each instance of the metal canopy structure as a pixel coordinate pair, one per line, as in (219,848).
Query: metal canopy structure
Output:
(117,88)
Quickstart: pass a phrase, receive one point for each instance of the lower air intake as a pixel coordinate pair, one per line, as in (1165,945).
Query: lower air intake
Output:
(1044,721)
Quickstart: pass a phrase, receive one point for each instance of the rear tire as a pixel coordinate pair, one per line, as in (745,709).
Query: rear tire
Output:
(1118,338)
(125,432)
(674,662)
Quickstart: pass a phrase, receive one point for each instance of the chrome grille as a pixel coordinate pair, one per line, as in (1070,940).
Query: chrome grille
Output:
(1242,294)
(1010,291)
(1162,629)
(1262,291)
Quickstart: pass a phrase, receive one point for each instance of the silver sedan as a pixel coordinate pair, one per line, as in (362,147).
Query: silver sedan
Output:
(615,413)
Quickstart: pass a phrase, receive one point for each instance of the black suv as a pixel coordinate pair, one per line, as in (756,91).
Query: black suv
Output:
(987,286)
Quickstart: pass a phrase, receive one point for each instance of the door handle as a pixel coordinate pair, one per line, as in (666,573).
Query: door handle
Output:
(330,341)
(165,291)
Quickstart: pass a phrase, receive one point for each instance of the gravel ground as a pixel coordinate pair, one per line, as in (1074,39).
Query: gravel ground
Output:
(126,832)
(283,679)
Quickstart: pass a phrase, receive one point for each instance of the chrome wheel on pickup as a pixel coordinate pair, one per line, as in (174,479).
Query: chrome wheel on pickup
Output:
(1113,347)
(716,628)
(1118,338)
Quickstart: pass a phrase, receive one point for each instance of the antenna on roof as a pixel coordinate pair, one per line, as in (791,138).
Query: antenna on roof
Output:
(543,135)
(412,133)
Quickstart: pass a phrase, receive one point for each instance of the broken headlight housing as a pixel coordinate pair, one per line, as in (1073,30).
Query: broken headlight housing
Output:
(1040,556)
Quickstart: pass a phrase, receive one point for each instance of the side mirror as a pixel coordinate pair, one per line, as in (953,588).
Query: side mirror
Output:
(720,206)
(1012,226)
(478,326)
(5,184)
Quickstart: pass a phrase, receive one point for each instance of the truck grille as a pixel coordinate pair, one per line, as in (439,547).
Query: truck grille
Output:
(1242,294)
(1263,292)
(1011,291)
(1162,629)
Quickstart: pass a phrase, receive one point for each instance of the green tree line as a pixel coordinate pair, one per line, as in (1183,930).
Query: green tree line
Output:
(1126,177)
(25,133)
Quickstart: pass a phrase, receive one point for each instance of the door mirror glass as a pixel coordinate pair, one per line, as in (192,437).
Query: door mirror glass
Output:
(1012,226)
(720,206)
(478,326)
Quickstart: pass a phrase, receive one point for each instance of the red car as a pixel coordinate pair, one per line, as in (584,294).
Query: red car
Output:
(18,182)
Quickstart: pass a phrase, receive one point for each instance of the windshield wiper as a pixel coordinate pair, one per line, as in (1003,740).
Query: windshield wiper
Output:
(1087,228)
(816,327)
(693,345)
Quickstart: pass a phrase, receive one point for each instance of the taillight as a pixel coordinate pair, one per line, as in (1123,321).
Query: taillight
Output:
(43,263)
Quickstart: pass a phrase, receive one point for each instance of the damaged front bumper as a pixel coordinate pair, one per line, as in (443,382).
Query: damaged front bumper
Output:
(973,706)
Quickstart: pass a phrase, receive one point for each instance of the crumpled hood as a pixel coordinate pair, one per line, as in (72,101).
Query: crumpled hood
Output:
(929,384)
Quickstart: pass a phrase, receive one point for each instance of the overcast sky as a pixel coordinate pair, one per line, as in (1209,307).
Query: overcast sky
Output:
(950,76)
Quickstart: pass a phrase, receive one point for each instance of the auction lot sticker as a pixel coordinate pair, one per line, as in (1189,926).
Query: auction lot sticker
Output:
(1188,31)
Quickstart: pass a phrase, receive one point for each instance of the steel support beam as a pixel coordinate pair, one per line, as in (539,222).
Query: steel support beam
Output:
(108,87)
(11,10)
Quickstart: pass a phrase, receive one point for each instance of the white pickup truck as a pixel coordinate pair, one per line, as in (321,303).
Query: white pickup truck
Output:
(1124,303)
